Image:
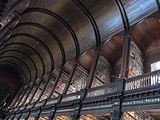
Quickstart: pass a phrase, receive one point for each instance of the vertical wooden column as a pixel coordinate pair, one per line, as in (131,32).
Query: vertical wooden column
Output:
(39,83)
(27,88)
(13,99)
(70,78)
(76,116)
(9,99)
(66,87)
(31,87)
(48,78)
(21,98)
(93,69)
(55,84)
(45,86)
(125,57)
(118,115)
(18,94)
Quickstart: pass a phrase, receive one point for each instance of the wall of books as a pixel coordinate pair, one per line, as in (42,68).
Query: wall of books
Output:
(44,118)
(89,117)
(61,83)
(79,80)
(135,61)
(37,95)
(102,76)
(48,89)
(102,73)
(132,116)
(63,118)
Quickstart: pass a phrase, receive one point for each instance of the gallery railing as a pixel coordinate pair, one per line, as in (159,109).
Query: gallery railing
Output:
(109,89)
(143,82)
(108,95)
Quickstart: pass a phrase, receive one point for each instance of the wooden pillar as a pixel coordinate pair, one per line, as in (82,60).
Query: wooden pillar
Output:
(70,79)
(125,57)
(55,84)
(27,88)
(66,87)
(31,85)
(15,99)
(90,79)
(39,83)
(25,98)
(45,86)
(30,89)
(93,69)
(53,89)
(118,115)
(21,98)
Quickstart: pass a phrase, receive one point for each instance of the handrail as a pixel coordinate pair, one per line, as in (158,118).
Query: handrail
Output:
(52,101)
(145,74)
(72,96)
(106,89)
(143,81)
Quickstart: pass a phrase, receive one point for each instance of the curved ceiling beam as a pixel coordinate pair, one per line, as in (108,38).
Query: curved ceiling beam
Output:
(8,51)
(13,57)
(49,32)
(123,16)
(158,4)
(40,41)
(60,19)
(37,53)
(18,67)
(92,21)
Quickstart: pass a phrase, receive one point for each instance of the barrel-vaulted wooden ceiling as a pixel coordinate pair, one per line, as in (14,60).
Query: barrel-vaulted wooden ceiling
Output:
(42,35)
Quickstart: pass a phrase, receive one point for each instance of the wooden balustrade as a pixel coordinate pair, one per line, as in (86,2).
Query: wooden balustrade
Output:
(106,89)
(151,79)
(52,101)
(72,96)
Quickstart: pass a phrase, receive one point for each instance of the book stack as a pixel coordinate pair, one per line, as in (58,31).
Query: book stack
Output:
(135,61)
